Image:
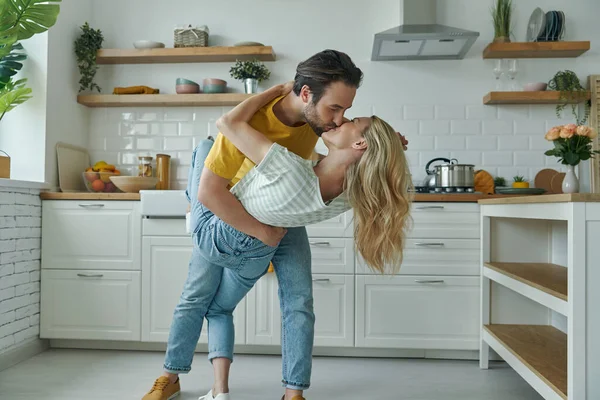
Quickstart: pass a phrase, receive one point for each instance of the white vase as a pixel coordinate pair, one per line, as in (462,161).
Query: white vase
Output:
(570,184)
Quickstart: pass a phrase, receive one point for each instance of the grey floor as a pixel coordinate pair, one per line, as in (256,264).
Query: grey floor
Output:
(123,375)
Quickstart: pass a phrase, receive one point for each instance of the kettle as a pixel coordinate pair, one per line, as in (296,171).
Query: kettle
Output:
(429,181)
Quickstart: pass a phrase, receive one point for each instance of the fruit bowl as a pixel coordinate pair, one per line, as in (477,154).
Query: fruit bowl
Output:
(133,184)
(99,182)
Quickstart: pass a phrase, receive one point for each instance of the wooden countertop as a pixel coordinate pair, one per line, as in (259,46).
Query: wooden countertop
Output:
(545,198)
(88,196)
(456,197)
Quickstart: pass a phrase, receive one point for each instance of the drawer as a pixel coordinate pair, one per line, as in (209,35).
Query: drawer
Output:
(164,227)
(412,312)
(332,256)
(436,257)
(445,220)
(340,226)
(91,235)
(90,304)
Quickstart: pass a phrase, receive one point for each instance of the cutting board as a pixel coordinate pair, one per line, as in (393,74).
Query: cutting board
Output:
(72,162)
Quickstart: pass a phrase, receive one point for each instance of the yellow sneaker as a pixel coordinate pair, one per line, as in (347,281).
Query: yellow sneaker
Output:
(163,389)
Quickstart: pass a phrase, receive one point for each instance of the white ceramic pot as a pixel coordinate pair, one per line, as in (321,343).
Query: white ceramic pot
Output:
(570,183)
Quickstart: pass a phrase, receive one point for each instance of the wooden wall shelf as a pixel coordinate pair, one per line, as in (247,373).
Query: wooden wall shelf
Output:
(162,100)
(545,97)
(536,49)
(184,55)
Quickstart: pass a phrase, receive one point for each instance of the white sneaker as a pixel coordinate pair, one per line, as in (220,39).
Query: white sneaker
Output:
(220,396)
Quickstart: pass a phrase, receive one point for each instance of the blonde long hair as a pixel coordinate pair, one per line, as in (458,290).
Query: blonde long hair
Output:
(377,187)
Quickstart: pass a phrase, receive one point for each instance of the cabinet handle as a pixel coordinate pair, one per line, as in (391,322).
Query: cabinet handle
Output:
(91,205)
(91,275)
(430,208)
(320,244)
(429,244)
(322,280)
(429,281)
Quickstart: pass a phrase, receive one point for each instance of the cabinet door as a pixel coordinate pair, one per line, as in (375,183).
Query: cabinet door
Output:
(165,262)
(332,256)
(334,310)
(263,317)
(91,235)
(84,304)
(340,226)
(438,312)
(436,257)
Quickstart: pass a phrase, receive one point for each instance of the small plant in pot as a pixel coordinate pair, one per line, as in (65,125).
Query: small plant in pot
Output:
(251,72)
(570,88)
(520,182)
(501,16)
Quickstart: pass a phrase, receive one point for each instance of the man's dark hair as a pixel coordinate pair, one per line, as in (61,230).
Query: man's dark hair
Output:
(323,69)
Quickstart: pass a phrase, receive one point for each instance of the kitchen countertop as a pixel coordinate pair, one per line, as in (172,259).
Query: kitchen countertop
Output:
(548,198)
(88,196)
(419,197)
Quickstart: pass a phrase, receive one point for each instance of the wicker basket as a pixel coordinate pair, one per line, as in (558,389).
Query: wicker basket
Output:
(191,37)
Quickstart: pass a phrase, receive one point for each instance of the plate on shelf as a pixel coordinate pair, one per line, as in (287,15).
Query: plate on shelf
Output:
(510,190)
(244,44)
(148,44)
(537,24)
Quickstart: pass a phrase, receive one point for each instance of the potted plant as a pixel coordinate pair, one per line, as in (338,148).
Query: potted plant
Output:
(499,181)
(19,21)
(570,88)
(501,16)
(251,72)
(572,144)
(520,182)
(86,49)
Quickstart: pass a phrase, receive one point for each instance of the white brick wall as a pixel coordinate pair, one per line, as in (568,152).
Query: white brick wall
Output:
(504,140)
(20,243)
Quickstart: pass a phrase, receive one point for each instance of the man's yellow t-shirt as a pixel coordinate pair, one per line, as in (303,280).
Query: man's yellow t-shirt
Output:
(228,162)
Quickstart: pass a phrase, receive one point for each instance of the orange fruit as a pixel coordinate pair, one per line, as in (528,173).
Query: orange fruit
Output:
(98,185)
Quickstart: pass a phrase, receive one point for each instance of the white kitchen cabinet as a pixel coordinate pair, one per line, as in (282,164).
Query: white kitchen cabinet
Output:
(333,306)
(90,304)
(332,255)
(99,235)
(340,226)
(414,312)
(445,220)
(436,257)
(165,262)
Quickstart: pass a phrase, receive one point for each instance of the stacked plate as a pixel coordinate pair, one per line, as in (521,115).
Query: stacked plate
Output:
(546,27)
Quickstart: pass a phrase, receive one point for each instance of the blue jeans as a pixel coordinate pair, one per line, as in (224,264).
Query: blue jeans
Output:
(225,264)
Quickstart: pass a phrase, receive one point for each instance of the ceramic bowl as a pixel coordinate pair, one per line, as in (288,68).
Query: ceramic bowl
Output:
(183,81)
(535,87)
(214,85)
(147,44)
(187,89)
(133,184)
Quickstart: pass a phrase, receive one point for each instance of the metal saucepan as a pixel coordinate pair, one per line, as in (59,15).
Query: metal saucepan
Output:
(453,174)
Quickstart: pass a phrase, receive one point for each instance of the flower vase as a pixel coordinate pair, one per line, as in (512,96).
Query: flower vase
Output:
(570,183)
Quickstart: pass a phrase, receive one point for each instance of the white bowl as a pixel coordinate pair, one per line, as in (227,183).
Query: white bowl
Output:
(147,44)
(535,87)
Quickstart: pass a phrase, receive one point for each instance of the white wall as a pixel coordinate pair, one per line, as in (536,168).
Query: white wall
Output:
(437,104)
(66,121)
(23,129)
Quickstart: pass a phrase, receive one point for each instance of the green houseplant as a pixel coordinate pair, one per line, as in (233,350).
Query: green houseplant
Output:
(86,49)
(251,72)
(501,16)
(20,20)
(569,86)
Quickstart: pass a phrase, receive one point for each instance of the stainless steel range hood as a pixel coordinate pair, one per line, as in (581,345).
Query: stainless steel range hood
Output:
(421,37)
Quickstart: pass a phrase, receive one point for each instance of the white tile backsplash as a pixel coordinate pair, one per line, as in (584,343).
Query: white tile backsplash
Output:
(503,140)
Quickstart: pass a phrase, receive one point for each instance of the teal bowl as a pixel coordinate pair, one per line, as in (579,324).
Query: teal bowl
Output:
(214,88)
(182,81)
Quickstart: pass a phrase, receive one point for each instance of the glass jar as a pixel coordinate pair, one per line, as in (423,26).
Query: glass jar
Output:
(145,166)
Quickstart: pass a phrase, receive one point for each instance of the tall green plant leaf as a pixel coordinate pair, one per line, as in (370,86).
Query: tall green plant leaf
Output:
(10,64)
(13,94)
(8,30)
(34,16)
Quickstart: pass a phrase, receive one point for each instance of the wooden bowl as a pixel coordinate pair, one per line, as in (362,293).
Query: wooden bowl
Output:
(133,184)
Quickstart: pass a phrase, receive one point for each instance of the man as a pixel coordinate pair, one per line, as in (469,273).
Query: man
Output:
(324,88)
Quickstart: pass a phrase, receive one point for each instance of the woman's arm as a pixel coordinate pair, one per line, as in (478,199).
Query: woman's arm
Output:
(235,127)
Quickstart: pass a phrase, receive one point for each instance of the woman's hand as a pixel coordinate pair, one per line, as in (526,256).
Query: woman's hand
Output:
(287,87)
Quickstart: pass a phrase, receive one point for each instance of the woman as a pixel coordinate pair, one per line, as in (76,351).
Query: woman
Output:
(365,170)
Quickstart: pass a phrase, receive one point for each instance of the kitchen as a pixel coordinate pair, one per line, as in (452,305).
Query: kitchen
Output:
(59,317)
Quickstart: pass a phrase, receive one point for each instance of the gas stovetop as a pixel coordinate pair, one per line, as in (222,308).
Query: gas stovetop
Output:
(446,190)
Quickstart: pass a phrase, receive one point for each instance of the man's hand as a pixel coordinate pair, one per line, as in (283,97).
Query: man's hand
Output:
(272,235)
(403,140)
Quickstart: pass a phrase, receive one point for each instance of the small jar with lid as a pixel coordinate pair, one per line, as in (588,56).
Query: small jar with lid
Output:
(145,166)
